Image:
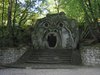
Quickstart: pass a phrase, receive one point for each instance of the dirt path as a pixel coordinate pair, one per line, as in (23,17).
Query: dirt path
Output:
(72,71)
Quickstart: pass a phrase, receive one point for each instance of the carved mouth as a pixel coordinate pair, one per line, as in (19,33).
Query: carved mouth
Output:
(52,40)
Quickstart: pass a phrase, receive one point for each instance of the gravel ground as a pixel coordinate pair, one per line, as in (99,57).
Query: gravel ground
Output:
(50,70)
(82,71)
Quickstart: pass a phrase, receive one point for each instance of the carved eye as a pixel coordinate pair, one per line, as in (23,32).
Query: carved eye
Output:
(60,24)
(46,25)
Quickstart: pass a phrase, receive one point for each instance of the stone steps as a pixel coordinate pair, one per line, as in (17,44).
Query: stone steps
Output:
(50,56)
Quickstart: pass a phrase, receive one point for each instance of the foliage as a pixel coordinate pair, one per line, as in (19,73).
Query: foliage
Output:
(73,9)
(92,10)
(17,18)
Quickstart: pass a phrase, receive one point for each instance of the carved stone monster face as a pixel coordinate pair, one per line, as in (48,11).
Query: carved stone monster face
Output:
(55,31)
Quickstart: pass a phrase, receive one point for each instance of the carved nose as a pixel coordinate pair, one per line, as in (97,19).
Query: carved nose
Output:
(49,30)
(52,35)
(55,30)
(52,30)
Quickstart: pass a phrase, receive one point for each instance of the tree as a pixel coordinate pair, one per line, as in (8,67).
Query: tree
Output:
(9,24)
(92,10)
(2,12)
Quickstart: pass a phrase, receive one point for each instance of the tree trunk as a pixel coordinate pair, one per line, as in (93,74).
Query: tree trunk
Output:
(2,21)
(14,19)
(57,4)
(13,26)
(24,15)
(2,12)
(9,23)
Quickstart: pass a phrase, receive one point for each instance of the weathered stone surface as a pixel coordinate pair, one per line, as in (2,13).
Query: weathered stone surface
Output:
(90,54)
(55,31)
(10,55)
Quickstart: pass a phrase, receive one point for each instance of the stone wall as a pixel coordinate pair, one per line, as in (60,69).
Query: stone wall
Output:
(10,55)
(90,55)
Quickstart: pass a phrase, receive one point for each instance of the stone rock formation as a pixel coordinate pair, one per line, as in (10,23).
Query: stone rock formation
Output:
(55,31)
